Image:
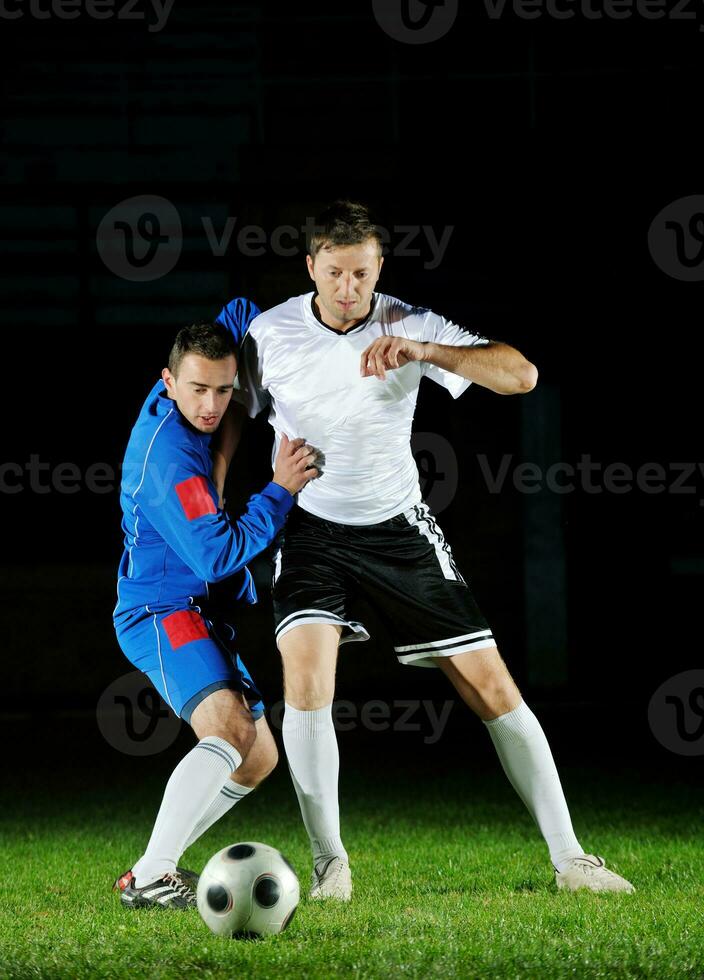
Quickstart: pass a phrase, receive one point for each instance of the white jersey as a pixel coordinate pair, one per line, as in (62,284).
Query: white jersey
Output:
(309,376)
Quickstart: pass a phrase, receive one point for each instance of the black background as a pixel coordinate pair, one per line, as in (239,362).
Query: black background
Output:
(549,147)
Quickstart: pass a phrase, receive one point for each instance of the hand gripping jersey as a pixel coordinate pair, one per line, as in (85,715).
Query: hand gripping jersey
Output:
(309,376)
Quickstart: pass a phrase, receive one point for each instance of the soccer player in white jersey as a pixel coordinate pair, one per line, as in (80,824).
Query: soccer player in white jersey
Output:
(340,367)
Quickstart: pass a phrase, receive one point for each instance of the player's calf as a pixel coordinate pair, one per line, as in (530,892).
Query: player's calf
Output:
(262,758)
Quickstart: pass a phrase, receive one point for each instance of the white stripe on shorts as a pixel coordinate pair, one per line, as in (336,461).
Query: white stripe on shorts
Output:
(427,654)
(308,617)
(438,644)
(419,516)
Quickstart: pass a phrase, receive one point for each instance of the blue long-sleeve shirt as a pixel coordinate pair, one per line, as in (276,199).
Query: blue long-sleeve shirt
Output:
(176,539)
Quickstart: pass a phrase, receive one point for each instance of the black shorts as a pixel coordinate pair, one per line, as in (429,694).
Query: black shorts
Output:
(404,569)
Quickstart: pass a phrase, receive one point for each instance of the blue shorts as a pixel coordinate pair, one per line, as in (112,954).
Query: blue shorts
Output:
(186,657)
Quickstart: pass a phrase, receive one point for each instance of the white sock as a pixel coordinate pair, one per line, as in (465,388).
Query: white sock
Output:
(314,763)
(230,794)
(527,760)
(189,793)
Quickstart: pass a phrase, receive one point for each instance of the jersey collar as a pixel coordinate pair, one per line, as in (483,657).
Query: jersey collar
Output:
(356,329)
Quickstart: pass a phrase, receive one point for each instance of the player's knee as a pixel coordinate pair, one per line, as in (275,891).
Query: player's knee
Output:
(309,695)
(497,691)
(309,656)
(244,732)
(307,689)
(224,714)
(307,686)
(239,732)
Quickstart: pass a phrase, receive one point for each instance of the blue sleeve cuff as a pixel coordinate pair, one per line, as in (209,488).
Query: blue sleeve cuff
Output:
(285,499)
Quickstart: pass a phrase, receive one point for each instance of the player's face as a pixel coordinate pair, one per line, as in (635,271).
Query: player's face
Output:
(345,278)
(202,389)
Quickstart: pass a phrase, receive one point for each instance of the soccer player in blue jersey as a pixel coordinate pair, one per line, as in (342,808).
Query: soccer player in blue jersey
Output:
(182,573)
(342,366)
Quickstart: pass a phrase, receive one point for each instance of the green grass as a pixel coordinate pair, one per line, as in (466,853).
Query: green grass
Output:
(451,880)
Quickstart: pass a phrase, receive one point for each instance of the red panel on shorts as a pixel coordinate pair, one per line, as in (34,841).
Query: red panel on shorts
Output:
(195,497)
(184,626)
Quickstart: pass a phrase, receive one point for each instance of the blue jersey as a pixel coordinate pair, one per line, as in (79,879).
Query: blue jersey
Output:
(237,316)
(176,539)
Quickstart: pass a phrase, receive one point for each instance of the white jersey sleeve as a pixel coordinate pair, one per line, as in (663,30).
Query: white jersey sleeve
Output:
(438,330)
(249,388)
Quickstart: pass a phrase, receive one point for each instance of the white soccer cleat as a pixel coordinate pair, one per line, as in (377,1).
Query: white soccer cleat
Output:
(589,871)
(334,880)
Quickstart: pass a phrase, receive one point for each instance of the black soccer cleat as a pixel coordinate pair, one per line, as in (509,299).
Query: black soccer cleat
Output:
(190,877)
(175,890)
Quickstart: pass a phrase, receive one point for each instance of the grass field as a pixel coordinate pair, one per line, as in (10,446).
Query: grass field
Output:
(451,880)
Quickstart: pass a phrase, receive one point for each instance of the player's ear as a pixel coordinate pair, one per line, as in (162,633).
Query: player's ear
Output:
(168,379)
(309,263)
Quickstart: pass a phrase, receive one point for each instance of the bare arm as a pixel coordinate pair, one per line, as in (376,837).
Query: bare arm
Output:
(225,444)
(495,366)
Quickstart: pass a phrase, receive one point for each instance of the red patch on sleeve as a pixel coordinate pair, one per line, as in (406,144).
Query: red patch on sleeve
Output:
(195,497)
(183,627)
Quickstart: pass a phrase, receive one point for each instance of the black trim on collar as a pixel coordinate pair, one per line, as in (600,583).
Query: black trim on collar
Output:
(343,333)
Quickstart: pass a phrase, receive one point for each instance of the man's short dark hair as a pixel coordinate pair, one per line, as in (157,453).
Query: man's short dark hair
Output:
(211,340)
(343,223)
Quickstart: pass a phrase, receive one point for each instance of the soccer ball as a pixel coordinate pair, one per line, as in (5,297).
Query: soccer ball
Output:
(247,889)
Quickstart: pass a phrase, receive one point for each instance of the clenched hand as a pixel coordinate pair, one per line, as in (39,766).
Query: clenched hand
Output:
(388,353)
